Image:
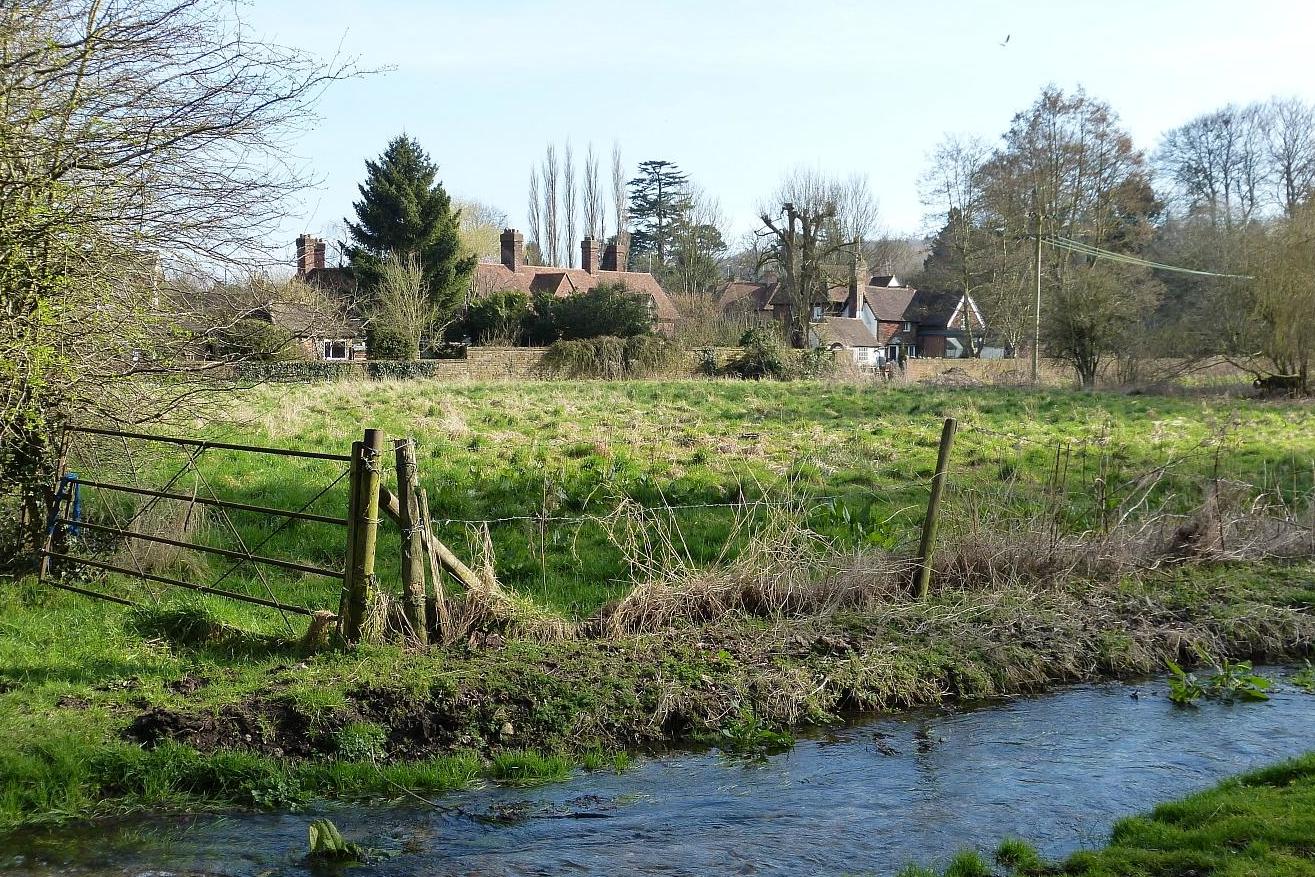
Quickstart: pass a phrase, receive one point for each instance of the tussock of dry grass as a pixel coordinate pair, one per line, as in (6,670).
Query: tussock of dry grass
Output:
(170,519)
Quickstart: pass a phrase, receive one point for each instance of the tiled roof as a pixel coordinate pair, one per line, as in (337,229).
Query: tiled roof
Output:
(747,294)
(889,304)
(561,282)
(933,309)
(307,320)
(848,331)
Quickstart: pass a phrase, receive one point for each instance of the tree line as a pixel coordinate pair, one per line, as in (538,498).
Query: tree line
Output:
(1227,194)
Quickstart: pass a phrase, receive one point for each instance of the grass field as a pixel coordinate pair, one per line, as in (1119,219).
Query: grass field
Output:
(549,464)
(206,702)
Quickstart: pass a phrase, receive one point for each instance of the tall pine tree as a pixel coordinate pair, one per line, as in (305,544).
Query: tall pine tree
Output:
(405,210)
(659,198)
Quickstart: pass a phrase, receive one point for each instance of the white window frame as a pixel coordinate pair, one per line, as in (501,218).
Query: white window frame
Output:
(327,346)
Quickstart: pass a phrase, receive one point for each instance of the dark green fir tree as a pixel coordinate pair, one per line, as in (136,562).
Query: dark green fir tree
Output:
(405,210)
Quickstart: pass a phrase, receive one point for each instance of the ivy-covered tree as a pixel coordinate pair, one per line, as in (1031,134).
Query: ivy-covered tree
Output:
(659,198)
(404,210)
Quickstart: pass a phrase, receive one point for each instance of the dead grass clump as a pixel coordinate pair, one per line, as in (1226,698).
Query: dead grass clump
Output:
(482,614)
(783,568)
(170,519)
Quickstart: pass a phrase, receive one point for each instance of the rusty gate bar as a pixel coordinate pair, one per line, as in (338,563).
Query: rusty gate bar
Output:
(164,580)
(220,503)
(201,443)
(292,565)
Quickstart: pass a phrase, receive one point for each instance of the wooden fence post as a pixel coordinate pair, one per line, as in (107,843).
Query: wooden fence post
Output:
(413,552)
(444,617)
(363,533)
(928,544)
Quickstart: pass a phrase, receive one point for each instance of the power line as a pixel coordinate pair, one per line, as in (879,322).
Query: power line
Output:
(1124,258)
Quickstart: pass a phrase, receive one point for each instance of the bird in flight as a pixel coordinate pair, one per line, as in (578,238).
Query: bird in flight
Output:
(1006,42)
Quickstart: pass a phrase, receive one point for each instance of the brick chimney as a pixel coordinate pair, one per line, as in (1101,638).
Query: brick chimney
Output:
(617,255)
(591,254)
(513,248)
(858,275)
(310,254)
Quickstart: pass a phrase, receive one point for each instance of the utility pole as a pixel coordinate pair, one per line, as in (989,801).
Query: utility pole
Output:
(1036,329)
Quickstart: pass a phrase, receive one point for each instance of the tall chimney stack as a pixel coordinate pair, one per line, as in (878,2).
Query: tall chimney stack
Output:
(513,248)
(622,251)
(590,254)
(310,254)
(858,277)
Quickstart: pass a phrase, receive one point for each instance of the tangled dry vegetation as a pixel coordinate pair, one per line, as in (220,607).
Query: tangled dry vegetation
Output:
(783,569)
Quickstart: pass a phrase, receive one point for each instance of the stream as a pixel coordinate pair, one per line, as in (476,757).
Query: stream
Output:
(866,798)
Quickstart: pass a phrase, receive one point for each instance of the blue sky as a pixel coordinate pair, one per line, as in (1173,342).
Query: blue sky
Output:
(740,92)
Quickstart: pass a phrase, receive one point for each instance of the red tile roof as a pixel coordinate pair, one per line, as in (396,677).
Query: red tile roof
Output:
(848,331)
(561,282)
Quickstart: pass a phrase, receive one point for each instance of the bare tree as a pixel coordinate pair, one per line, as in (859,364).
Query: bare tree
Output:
(1291,150)
(856,209)
(569,245)
(805,228)
(620,197)
(952,187)
(1217,163)
(136,139)
(592,196)
(402,300)
(481,226)
(535,214)
(550,246)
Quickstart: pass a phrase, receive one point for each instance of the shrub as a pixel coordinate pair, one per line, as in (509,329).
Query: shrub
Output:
(256,340)
(609,309)
(500,317)
(760,356)
(816,362)
(651,355)
(388,341)
(611,358)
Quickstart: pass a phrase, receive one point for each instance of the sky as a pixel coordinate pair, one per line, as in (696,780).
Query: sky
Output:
(739,93)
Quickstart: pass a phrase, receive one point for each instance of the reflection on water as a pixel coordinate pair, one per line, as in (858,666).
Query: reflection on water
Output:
(869,798)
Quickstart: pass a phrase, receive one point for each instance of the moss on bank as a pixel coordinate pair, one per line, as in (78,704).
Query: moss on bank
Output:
(95,720)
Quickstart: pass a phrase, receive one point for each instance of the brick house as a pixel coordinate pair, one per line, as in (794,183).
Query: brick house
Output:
(598,266)
(327,331)
(881,319)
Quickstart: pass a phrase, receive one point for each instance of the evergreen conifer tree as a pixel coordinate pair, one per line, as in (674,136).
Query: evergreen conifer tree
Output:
(659,198)
(405,210)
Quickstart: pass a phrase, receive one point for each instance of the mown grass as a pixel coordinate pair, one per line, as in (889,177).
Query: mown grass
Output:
(547,462)
(1258,824)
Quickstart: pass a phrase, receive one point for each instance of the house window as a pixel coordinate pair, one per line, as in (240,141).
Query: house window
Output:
(338,348)
(817,312)
(907,327)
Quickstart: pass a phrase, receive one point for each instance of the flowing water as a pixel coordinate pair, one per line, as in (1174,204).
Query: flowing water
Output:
(868,798)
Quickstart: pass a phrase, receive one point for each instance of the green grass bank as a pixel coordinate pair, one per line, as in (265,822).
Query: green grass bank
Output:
(1259,824)
(105,711)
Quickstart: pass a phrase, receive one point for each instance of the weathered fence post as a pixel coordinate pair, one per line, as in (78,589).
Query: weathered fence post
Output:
(444,618)
(362,533)
(413,552)
(928,544)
